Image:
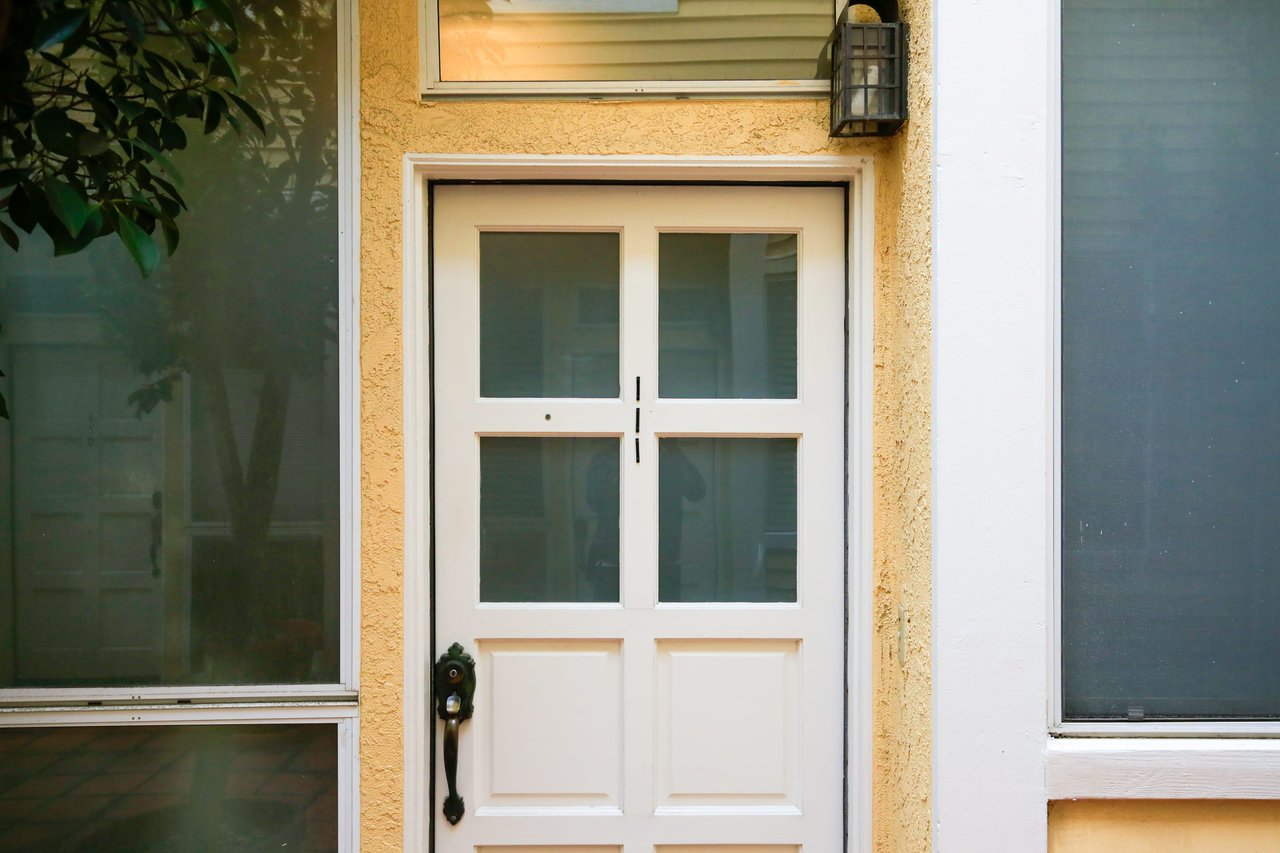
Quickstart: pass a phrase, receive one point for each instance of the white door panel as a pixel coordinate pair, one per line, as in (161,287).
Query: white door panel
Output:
(650,574)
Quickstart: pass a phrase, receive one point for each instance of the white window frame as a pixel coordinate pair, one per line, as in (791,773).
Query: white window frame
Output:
(433,88)
(1001,749)
(419,171)
(335,703)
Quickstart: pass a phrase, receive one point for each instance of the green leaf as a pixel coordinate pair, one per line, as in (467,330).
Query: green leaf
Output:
(67,245)
(9,235)
(131,109)
(58,132)
(20,209)
(132,23)
(58,27)
(100,100)
(170,234)
(67,204)
(144,251)
(164,161)
(224,13)
(224,64)
(172,136)
(92,143)
(249,112)
(217,107)
(169,189)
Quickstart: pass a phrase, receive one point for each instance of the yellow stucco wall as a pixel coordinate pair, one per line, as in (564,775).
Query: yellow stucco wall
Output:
(1186,826)
(395,121)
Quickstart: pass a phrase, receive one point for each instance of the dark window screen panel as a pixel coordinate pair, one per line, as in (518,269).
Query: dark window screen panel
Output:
(156,789)
(1170,360)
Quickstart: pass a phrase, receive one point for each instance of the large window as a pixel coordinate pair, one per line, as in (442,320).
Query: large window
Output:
(171,483)
(1170,360)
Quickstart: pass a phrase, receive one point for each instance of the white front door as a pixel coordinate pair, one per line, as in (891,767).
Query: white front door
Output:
(639,515)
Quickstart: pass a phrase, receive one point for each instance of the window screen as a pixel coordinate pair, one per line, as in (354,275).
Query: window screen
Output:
(1170,359)
(169,470)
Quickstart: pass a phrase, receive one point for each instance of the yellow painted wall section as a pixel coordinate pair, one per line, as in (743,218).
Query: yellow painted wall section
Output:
(902,777)
(394,121)
(1161,826)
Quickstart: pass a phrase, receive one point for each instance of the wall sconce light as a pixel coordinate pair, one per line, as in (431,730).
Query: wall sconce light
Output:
(869,73)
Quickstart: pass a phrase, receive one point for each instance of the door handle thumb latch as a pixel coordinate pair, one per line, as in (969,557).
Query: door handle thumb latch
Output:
(454,681)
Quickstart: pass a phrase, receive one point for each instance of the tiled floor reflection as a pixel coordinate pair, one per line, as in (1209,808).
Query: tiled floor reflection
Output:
(169,788)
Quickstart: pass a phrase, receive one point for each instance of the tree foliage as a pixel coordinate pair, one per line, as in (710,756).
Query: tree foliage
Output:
(94,95)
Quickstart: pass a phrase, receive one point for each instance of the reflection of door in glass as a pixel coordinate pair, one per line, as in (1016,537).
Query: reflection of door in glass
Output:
(88,499)
(639,474)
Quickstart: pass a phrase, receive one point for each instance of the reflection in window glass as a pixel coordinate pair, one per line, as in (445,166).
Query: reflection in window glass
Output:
(549,314)
(169,476)
(727,519)
(159,789)
(549,40)
(1170,363)
(549,515)
(727,315)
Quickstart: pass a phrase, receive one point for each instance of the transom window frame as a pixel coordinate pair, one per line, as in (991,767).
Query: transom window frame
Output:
(435,88)
(330,704)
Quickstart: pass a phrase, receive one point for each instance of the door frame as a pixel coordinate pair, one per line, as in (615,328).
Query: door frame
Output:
(419,172)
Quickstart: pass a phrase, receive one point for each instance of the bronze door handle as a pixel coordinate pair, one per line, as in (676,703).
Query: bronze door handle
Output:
(455,685)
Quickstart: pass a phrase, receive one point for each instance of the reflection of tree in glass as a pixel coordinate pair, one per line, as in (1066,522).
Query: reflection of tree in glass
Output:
(253,288)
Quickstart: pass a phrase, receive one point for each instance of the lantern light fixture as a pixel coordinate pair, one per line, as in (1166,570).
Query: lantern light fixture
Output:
(869,73)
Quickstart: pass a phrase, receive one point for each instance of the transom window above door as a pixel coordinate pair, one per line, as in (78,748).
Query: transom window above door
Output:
(628,46)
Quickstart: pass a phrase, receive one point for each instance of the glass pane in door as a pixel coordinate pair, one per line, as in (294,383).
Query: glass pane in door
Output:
(727,514)
(549,519)
(727,315)
(549,314)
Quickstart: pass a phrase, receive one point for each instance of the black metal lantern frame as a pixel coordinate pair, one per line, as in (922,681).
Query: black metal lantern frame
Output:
(869,74)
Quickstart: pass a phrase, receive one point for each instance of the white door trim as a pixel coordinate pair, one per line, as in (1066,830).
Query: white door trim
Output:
(418,171)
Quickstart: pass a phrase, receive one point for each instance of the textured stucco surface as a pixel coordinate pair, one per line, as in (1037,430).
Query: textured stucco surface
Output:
(903,580)
(394,121)
(1157,826)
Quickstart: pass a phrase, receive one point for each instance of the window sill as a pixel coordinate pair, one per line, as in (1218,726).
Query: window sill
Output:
(1219,768)
(628,90)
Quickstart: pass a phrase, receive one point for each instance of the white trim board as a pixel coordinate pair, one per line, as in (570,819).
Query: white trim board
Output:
(183,715)
(419,170)
(1162,768)
(991,417)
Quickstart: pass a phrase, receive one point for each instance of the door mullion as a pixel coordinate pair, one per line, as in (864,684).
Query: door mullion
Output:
(639,362)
